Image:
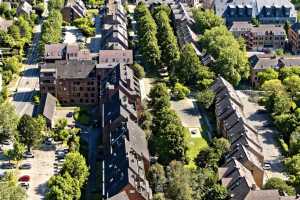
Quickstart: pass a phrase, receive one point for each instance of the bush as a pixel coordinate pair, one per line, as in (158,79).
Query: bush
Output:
(280,185)
(180,91)
(206,98)
(138,70)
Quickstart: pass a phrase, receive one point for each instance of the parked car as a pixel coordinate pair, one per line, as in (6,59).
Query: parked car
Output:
(25,185)
(60,156)
(8,166)
(49,141)
(28,155)
(69,114)
(267,166)
(6,142)
(25,178)
(25,166)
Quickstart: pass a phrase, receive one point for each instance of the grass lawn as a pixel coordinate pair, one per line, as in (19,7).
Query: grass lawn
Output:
(196,144)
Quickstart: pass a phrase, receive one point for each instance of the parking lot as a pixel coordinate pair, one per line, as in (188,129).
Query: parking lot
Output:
(259,118)
(39,169)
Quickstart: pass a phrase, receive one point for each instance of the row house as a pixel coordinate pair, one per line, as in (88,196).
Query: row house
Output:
(260,37)
(261,62)
(126,155)
(240,183)
(184,24)
(267,12)
(73,9)
(242,173)
(245,149)
(114,27)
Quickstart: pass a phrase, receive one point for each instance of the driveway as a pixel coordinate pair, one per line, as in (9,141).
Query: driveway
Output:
(259,118)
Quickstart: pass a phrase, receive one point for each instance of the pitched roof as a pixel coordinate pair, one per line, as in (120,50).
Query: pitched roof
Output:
(48,103)
(237,179)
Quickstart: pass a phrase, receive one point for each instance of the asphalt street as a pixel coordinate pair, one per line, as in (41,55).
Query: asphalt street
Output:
(28,83)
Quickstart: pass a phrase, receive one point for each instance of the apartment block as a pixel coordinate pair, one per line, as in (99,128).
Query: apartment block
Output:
(264,36)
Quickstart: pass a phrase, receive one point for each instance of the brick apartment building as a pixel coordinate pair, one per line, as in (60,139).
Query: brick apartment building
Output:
(263,36)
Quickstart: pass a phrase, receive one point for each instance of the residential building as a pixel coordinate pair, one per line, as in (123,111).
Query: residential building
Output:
(260,37)
(5,24)
(48,108)
(261,62)
(294,38)
(73,9)
(116,56)
(24,8)
(267,12)
(114,27)
(241,186)
(72,82)
(59,51)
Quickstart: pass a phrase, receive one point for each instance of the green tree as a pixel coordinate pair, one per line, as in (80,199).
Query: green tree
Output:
(63,187)
(180,91)
(206,98)
(273,86)
(25,29)
(9,190)
(206,20)
(267,74)
(55,4)
(216,192)
(190,71)
(13,64)
(279,52)
(159,196)
(138,70)
(292,84)
(76,166)
(282,103)
(280,185)
(14,31)
(167,40)
(169,137)
(285,72)
(159,97)
(294,146)
(157,178)
(16,153)
(147,31)
(30,130)
(231,58)
(8,121)
(178,184)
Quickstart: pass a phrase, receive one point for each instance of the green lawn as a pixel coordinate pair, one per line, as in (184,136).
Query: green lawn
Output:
(195,146)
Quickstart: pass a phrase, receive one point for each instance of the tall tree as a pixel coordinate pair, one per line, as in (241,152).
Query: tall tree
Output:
(280,185)
(63,187)
(157,178)
(76,166)
(8,121)
(267,74)
(167,40)
(9,190)
(190,71)
(206,20)
(30,131)
(231,58)
(178,186)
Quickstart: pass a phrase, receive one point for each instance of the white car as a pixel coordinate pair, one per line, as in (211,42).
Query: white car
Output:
(267,166)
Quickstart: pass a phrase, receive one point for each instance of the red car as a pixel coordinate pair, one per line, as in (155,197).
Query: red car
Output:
(24,178)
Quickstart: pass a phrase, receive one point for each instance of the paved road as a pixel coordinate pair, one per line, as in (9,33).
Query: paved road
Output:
(95,44)
(22,98)
(266,136)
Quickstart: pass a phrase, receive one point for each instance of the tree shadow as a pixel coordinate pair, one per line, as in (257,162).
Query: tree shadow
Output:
(42,189)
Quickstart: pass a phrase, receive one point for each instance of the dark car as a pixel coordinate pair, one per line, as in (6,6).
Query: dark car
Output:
(28,155)
(5,142)
(8,166)
(24,185)
(25,166)
(25,178)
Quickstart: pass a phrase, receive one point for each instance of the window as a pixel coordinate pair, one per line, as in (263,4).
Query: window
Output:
(86,94)
(92,95)
(81,100)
